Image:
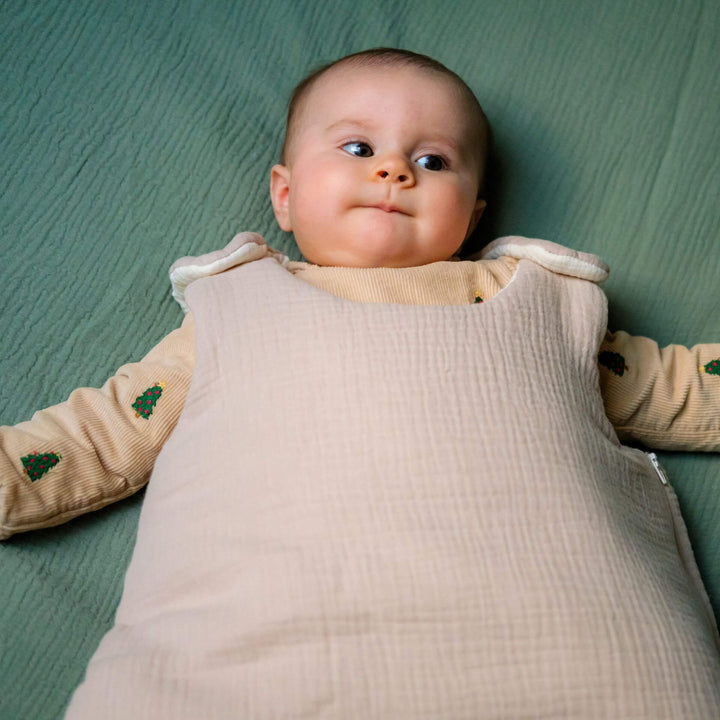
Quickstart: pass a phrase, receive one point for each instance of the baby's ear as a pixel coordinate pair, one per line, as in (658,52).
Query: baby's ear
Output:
(475,216)
(279,195)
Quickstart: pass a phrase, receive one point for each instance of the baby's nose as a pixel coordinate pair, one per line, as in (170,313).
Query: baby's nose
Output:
(393,169)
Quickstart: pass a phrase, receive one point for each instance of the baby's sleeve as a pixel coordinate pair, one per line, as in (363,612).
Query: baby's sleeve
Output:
(666,398)
(97,447)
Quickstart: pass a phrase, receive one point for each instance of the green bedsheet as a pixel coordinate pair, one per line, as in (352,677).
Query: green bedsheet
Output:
(139,131)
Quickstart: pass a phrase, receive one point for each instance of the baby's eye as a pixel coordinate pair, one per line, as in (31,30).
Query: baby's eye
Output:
(359,149)
(432,162)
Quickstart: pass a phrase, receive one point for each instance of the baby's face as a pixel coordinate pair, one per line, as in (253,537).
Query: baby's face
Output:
(382,170)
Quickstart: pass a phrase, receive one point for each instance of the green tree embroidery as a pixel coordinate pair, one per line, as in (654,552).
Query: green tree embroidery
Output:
(712,368)
(37,464)
(145,404)
(613,361)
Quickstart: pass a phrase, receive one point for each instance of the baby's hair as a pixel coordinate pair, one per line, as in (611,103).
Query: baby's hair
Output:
(388,57)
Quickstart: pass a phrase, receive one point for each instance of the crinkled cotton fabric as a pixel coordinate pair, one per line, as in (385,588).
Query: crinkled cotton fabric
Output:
(374,510)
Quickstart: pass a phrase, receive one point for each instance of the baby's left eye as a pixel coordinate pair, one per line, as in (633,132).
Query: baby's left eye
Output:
(432,162)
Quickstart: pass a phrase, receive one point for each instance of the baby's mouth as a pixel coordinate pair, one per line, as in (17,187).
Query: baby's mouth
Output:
(387,207)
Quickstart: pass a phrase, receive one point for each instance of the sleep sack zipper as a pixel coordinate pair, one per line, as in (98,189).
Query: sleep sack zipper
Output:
(658,468)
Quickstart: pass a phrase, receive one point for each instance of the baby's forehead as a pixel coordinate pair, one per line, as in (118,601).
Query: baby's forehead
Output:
(344,78)
(358,90)
(347,85)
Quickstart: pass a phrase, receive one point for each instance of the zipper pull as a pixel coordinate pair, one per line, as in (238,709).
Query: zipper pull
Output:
(658,469)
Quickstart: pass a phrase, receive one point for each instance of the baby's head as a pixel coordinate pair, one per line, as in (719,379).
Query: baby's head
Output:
(382,163)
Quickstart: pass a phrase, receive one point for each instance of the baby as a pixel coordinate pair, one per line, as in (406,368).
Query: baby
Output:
(387,482)
(382,164)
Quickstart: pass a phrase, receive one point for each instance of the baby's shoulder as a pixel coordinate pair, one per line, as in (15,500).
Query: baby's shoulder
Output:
(552,256)
(243,248)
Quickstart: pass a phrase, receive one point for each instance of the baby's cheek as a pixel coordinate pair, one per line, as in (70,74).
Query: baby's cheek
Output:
(308,202)
(454,210)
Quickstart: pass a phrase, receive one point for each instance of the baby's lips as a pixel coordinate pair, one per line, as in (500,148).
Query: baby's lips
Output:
(387,207)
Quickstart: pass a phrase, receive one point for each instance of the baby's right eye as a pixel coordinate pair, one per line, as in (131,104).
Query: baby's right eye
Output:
(357,148)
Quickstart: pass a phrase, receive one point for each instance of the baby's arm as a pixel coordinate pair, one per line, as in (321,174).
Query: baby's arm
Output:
(97,447)
(666,398)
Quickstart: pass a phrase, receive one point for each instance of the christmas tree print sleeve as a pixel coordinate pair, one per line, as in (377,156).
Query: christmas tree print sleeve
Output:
(95,448)
(666,398)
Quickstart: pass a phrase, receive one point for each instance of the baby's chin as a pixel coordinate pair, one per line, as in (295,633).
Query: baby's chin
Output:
(359,258)
(371,248)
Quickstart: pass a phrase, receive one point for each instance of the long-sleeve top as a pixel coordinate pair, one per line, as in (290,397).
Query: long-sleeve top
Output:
(100,445)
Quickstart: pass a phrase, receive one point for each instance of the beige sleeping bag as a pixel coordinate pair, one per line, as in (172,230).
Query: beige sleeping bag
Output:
(375,510)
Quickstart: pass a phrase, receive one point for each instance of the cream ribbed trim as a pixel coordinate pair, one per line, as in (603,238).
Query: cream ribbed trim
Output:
(440,283)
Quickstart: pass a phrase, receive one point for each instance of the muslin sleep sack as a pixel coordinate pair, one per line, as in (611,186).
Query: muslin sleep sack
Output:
(374,510)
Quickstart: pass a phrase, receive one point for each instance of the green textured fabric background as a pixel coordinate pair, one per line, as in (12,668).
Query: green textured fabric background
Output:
(136,132)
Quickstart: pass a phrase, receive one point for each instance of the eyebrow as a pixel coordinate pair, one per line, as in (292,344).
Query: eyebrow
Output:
(365,124)
(369,126)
